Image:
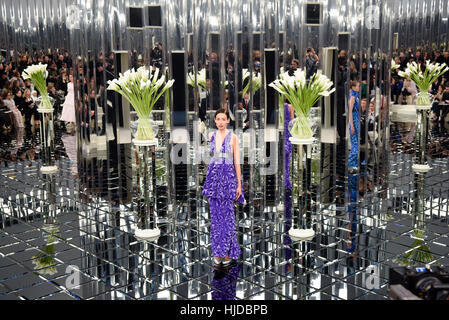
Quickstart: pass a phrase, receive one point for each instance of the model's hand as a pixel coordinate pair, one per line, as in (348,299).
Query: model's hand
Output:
(352,129)
(238,193)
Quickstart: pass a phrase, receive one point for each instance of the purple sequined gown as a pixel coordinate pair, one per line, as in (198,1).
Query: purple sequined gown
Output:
(287,148)
(220,188)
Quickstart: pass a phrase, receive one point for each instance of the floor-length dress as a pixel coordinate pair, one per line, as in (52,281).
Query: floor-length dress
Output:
(220,188)
(287,148)
(68,107)
(353,159)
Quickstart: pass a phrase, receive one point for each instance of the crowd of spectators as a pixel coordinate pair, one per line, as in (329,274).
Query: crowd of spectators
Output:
(18,99)
(404,91)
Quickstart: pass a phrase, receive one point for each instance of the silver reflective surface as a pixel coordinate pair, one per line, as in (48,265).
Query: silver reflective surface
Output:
(360,219)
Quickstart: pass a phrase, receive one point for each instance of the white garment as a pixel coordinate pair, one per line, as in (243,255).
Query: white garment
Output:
(68,107)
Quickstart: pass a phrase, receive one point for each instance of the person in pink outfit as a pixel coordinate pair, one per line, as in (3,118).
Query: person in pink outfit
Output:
(9,102)
(68,107)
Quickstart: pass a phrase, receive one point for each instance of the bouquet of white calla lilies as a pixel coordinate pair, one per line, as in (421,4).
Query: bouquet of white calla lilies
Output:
(256,80)
(142,88)
(302,95)
(200,79)
(38,74)
(394,65)
(424,79)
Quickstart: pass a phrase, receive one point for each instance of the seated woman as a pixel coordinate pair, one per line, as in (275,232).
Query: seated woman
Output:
(436,109)
(409,91)
(6,119)
(11,105)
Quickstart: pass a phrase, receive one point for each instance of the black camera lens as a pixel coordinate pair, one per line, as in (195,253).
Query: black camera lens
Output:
(424,287)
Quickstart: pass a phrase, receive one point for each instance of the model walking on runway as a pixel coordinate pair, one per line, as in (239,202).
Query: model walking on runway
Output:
(223,186)
(353,108)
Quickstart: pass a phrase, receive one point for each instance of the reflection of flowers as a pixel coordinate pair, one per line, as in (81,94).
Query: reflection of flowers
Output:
(418,254)
(302,95)
(255,79)
(200,79)
(394,65)
(38,74)
(160,168)
(424,80)
(142,88)
(44,261)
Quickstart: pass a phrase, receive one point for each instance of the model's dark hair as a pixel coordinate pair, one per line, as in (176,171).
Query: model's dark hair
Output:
(222,110)
(354,83)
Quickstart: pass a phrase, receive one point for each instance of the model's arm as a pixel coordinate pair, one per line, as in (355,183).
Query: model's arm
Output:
(351,105)
(292,112)
(236,151)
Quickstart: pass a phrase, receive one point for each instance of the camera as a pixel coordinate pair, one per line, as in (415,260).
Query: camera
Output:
(419,283)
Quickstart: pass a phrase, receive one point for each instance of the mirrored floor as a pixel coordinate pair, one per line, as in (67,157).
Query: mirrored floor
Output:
(38,252)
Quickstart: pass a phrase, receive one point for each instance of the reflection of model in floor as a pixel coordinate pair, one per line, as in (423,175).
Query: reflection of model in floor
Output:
(288,116)
(353,189)
(69,142)
(225,282)
(287,225)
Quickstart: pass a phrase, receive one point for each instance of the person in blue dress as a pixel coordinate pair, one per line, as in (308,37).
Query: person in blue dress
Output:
(353,111)
(222,187)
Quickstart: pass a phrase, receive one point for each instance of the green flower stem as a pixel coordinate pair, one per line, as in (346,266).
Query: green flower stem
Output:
(423,98)
(38,79)
(301,129)
(45,101)
(144,129)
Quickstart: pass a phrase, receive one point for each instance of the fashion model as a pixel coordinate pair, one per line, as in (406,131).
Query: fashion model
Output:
(222,187)
(353,108)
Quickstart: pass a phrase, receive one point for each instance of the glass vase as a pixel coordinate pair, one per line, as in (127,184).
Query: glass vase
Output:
(423,98)
(47,134)
(300,128)
(146,129)
(45,101)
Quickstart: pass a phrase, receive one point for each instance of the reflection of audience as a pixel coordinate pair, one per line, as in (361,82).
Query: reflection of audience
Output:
(311,62)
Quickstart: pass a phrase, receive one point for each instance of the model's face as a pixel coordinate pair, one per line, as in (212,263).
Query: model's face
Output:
(221,121)
(371,107)
(356,87)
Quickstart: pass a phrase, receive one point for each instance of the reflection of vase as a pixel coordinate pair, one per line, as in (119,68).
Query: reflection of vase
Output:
(422,106)
(45,262)
(145,129)
(419,253)
(146,190)
(47,134)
